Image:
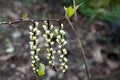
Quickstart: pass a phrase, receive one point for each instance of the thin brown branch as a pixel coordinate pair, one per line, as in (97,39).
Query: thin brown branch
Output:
(82,50)
(79,40)
(30,20)
(74,4)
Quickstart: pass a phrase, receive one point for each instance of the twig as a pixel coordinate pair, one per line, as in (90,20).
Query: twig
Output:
(74,4)
(79,40)
(30,20)
(82,50)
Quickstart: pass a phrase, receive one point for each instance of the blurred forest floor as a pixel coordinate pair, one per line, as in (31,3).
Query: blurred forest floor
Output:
(101,42)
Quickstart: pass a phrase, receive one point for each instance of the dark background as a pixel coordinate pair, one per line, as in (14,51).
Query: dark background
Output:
(99,28)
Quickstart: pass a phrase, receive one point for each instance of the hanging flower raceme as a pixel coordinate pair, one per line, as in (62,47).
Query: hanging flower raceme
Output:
(34,49)
(61,46)
(48,35)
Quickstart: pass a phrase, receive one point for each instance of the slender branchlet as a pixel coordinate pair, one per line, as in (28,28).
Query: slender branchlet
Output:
(61,46)
(34,49)
(48,35)
(30,21)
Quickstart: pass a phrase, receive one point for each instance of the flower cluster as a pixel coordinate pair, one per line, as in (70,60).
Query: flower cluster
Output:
(48,35)
(61,49)
(34,41)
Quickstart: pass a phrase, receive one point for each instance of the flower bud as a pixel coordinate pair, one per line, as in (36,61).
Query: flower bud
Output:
(62,40)
(48,40)
(36,24)
(33,68)
(32,65)
(37,49)
(31,33)
(51,26)
(50,62)
(61,25)
(51,35)
(59,51)
(33,61)
(46,44)
(35,29)
(60,46)
(56,31)
(44,27)
(30,27)
(65,59)
(37,32)
(59,36)
(61,56)
(32,52)
(52,43)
